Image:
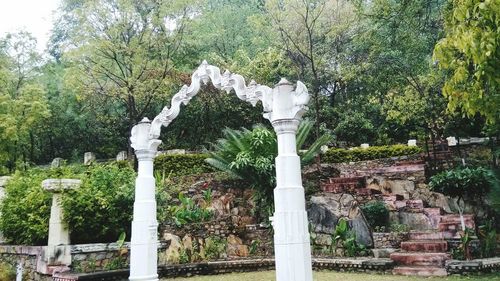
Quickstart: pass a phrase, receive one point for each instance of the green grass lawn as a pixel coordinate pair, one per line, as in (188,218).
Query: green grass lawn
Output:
(335,276)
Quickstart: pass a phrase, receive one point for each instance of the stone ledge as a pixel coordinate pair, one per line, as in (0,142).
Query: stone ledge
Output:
(221,267)
(477,265)
(21,250)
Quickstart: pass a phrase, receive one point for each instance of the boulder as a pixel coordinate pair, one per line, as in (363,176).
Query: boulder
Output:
(325,211)
(172,254)
(235,247)
(415,221)
(433,199)
(389,186)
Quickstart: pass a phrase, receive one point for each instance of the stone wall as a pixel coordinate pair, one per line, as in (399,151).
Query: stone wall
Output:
(383,240)
(98,257)
(29,258)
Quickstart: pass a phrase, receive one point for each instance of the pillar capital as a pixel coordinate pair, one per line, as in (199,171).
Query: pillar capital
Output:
(285,126)
(142,141)
(285,102)
(58,185)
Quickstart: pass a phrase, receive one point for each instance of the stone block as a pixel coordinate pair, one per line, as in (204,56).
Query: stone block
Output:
(88,158)
(121,156)
(57,162)
(383,253)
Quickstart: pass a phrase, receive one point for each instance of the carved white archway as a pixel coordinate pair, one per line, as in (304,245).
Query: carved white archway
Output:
(283,107)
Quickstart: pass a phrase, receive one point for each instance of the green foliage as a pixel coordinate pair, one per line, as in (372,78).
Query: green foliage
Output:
(347,238)
(26,209)
(337,155)
(376,214)
(182,164)
(7,272)
(463,183)
(215,248)
(488,237)
(101,209)
(250,155)
(469,53)
(188,211)
(463,252)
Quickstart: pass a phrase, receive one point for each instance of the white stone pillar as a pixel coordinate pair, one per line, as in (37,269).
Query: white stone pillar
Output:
(58,250)
(144,240)
(291,236)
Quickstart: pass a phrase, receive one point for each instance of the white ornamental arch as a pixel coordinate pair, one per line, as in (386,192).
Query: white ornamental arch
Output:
(283,106)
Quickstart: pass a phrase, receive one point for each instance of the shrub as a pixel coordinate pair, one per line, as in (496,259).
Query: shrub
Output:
(25,208)
(339,155)
(7,272)
(376,214)
(101,209)
(463,183)
(189,212)
(182,164)
(250,155)
(96,212)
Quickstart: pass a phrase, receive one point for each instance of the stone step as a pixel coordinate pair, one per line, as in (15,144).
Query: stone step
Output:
(428,246)
(424,271)
(415,204)
(425,235)
(452,222)
(346,179)
(420,259)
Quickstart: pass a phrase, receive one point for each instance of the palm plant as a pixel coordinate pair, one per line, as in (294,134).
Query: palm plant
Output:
(249,155)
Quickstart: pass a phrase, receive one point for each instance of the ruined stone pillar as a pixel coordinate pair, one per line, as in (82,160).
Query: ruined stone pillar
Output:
(58,250)
(144,240)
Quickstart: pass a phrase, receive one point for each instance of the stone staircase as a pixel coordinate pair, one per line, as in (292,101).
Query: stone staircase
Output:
(423,255)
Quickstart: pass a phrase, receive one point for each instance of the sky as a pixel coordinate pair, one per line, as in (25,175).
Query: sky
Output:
(34,16)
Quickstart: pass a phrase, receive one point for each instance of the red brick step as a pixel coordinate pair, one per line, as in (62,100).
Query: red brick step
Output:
(428,246)
(426,271)
(420,259)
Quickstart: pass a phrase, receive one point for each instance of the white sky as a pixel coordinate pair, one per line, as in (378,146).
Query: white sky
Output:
(34,16)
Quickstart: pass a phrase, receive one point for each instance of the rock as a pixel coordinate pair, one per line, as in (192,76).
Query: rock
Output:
(360,228)
(121,156)
(415,221)
(325,211)
(235,247)
(389,187)
(323,239)
(57,162)
(172,253)
(187,243)
(433,199)
(383,253)
(88,158)
(218,207)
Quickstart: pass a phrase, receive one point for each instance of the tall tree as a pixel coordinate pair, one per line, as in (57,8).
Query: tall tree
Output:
(311,33)
(122,51)
(470,55)
(23,103)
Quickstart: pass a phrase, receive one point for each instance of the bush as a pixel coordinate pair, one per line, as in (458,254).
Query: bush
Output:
(463,183)
(338,155)
(25,208)
(7,272)
(96,212)
(376,214)
(182,164)
(101,209)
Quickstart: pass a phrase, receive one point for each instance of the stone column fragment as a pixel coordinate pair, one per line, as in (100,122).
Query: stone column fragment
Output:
(58,250)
